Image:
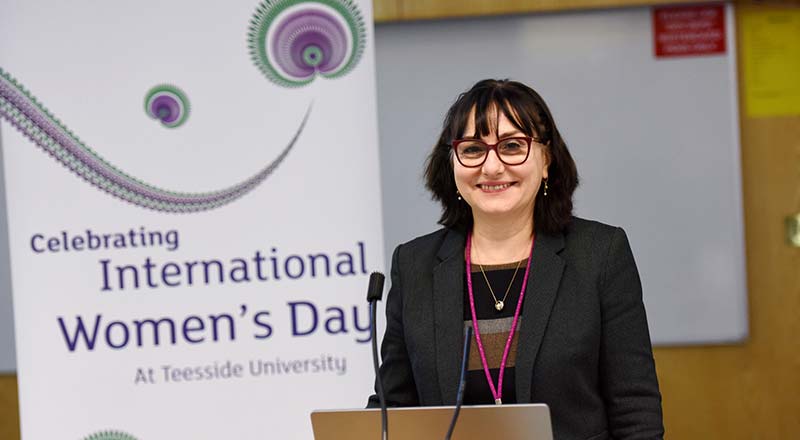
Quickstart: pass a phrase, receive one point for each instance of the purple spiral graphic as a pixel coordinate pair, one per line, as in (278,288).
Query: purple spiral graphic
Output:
(166,108)
(307,41)
(168,104)
(294,41)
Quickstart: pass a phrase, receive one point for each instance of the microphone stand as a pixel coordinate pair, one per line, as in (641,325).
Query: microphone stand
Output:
(374,294)
(462,383)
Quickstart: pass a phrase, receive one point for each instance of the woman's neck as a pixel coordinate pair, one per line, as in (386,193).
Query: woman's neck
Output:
(499,241)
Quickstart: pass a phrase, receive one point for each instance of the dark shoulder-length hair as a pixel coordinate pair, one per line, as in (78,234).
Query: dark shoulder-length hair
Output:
(527,111)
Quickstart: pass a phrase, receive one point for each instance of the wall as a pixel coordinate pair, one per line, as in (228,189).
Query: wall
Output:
(598,73)
(746,391)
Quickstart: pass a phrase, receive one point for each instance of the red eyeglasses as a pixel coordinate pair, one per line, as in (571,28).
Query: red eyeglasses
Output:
(472,153)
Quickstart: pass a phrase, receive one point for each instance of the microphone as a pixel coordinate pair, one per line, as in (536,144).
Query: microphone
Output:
(375,289)
(374,294)
(462,383)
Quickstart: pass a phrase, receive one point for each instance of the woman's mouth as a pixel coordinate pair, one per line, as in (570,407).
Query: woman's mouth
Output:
(494,187)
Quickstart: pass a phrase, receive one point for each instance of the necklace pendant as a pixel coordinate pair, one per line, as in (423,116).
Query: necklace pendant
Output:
(499,306)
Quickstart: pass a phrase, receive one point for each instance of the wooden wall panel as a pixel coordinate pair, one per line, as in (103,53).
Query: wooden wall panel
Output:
(9,408)
(400,10)
(385,10)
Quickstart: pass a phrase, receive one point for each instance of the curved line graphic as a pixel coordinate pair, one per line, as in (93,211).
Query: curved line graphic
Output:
(36,123)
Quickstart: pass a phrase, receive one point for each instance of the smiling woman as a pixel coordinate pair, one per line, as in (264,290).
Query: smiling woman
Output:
(494,110)
(575,335)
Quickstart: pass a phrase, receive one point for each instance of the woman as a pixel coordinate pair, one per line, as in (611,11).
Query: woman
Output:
(555,300)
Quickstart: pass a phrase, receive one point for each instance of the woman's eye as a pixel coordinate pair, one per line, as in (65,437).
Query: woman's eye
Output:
(472,150)
(512,147)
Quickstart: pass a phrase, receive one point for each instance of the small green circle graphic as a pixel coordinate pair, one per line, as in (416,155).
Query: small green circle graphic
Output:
(312,55)
(167,104)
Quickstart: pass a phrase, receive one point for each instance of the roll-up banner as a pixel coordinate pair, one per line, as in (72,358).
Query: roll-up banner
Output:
(194,208)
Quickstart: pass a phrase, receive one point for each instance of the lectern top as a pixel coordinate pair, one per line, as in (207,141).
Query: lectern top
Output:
(479,422)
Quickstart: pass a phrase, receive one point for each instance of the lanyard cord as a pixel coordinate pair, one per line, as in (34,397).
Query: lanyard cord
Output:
(497,392)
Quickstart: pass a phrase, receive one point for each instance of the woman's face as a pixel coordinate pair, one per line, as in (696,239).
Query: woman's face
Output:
(494,189)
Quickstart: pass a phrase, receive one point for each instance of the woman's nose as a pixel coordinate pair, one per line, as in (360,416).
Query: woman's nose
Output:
(493,165)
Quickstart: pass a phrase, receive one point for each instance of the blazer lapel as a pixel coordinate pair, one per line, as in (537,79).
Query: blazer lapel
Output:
(540,294)
(448,298)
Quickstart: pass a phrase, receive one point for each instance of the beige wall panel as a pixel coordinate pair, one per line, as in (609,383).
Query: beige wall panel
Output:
(398,10)
(385,10)
(9,408)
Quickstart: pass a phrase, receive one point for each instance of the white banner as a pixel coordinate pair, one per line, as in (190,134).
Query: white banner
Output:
(193,208)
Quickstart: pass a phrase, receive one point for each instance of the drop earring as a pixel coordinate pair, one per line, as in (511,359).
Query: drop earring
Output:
(458,194)
(545,187)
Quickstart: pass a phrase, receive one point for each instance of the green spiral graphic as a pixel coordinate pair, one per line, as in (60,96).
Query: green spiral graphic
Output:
(110,435)
(294,41)
(168,104)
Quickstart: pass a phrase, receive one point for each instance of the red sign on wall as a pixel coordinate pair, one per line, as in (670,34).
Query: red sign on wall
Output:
(689,30)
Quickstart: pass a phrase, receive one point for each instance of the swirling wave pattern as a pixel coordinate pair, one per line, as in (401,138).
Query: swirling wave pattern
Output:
(293,41)
(167,104)
(24,112)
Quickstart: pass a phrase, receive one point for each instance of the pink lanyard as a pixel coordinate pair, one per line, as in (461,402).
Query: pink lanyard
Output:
(496,392)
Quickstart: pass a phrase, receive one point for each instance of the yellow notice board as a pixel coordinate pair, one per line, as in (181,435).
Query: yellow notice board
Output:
(770,44)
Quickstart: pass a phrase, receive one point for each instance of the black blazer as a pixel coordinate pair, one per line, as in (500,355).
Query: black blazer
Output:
(583,347)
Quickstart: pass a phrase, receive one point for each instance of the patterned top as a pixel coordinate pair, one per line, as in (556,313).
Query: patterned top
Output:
(494,326)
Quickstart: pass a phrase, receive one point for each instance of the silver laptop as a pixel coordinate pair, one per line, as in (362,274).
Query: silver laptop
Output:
(480,422)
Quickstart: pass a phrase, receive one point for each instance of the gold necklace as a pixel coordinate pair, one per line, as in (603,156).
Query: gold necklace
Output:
(499,304)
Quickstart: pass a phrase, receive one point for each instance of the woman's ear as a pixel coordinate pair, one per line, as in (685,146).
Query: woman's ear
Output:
(546,161)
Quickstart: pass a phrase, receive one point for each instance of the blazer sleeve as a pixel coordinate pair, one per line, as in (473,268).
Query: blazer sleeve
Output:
(627,369)
(398,379)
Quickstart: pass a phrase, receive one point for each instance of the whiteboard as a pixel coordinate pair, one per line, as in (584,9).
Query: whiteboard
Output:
(655,142)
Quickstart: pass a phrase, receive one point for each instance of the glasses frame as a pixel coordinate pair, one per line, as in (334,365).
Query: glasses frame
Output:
(530,140)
